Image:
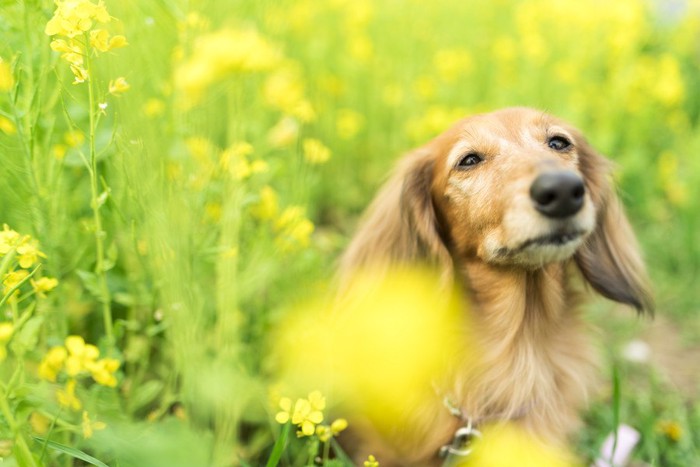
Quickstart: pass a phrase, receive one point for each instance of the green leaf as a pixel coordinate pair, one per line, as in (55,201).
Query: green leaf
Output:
(28,336)
(279,446)
(92,284)
(146,394)
(76,453)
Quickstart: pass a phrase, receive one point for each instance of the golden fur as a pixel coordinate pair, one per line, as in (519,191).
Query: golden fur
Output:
(474,225)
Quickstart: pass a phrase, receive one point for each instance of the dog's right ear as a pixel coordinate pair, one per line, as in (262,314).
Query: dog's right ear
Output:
(401,226)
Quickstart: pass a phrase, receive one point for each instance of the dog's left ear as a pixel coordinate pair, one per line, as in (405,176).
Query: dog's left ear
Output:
(610,260)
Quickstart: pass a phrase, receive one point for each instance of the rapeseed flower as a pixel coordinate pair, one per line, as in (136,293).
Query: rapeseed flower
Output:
(7,126)
(7,80)
(89,427)
(268,206)
(74,17)
(52,363)
(293,229)
(306,416)
(28,253)
(371,462)
(118,86)
(8,239)
(43,285)
(284,133)
(670,429)
(6,330)
(67,398)
(326,432)
(315,152)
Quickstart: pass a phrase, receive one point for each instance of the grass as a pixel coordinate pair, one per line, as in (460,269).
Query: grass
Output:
(183,219)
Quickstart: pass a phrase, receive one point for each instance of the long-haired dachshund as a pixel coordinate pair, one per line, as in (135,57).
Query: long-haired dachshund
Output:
(515,207)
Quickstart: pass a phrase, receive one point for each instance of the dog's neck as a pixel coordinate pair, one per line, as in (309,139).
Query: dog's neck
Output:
(527,327)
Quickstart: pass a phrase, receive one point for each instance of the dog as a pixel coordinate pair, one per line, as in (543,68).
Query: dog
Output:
(517,209)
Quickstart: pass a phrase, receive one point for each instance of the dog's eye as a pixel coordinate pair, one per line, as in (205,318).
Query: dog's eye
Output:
(469,160)
(558,143)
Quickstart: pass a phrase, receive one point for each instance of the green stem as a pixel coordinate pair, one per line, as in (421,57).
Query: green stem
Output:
(105,297)
(280,444)
(20,443)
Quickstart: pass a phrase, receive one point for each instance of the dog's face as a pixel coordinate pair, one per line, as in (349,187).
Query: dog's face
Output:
(510,189)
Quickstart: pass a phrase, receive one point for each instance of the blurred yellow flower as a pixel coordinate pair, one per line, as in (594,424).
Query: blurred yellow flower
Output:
(81,74)
(28,253)
(315,152)
(6,330)
(40,423)
(43,285)
(74,138)
(67,398)
(284,133)
(89,427)
(14,278)
(6,126)
(52,363)
(153,107)
(118,86)
(509,445)
(453,64)
(73,17)
(80,355)
(267,207)
(103,370)
(293,229)
(101,40)
(325,432)
(348,123)
(671,429)
(8,239)
(221,53)
(7,80)
(372,462)
(369,346)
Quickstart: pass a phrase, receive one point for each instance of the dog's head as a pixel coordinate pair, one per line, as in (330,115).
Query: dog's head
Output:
(515,188)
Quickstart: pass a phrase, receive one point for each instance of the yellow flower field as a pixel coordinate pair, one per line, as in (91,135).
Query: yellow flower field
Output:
(180,177)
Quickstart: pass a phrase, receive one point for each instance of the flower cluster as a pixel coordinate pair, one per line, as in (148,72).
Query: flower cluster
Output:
(19,253)
(76,359)
(307,415)
(74,20)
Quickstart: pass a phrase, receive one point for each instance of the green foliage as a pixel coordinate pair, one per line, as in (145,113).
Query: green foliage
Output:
(193,184)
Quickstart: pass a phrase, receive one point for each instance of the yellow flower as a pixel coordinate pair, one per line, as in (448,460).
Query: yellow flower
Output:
(348,123)
(103,371)
(153,107)
(73,17)
(285,414)
(7,81)
(371,462)
(103,42)
(81,356)
(73,52)
(67,398)
(6,126)
(74,138)
(45,284)
(80,73)
(293,228)
(39,423)
(6,330)
(52,363)
(306,417)
(8,239)
(12,279)
(89,427)
(315,152)
(284,133)
(267,207)
(118,86)
(325,433)
(28,253)
(671,429)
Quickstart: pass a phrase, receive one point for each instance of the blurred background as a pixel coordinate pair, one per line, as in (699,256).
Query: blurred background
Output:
(202,180)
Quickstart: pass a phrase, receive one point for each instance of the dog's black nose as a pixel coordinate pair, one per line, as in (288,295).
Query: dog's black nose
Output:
(558,194)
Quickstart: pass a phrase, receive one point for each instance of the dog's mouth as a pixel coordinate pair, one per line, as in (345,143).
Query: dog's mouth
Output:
(553,239)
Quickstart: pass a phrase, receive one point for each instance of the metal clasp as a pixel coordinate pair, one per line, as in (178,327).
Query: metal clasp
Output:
(461,445)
